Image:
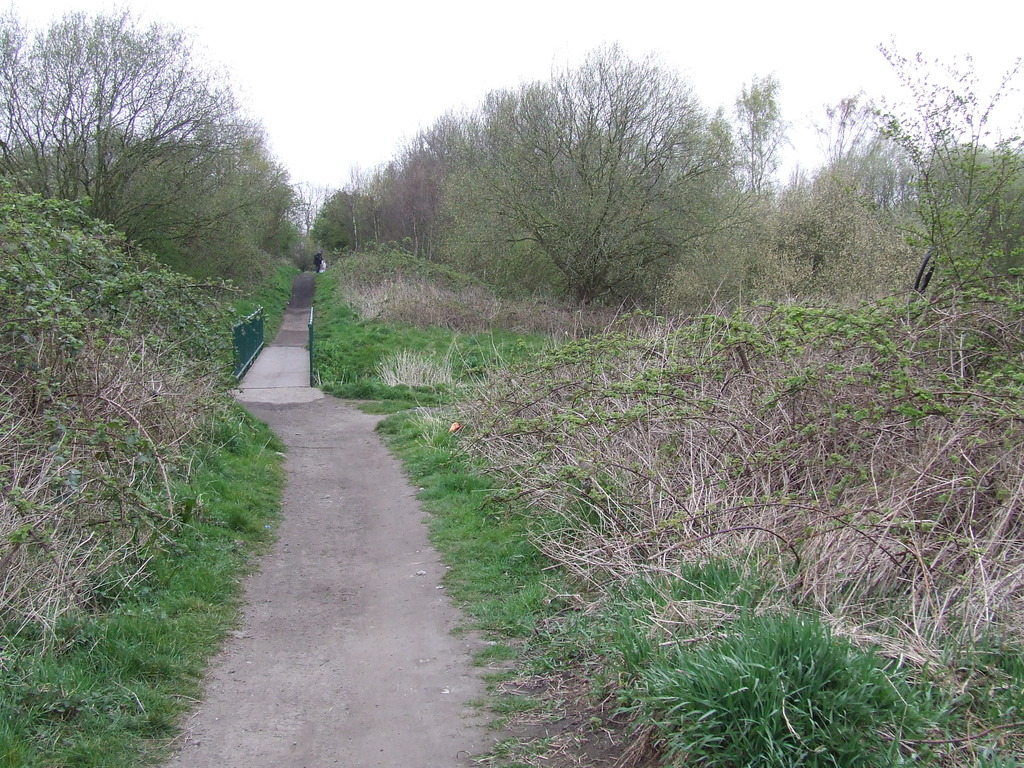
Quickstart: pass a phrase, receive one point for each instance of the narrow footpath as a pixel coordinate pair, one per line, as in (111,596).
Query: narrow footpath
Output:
(345,656)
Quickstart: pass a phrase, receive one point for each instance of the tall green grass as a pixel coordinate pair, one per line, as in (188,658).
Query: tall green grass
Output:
(777,690)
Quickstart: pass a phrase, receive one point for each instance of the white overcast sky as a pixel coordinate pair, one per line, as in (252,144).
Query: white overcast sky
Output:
(339,85)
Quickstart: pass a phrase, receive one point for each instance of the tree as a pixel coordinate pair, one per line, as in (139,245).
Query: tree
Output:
(334,225)
(857,148)
(121,117)
(310,201)
(829,241)
(850,129)
(605,172)
(247,210)
(404,197)
(968,176)
(761,133)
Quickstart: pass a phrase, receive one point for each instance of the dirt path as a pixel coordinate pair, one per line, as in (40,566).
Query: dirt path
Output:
(345,656)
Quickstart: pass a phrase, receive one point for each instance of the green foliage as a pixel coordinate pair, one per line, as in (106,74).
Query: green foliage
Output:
(968,178)
(761,133)
(67,277)
(829,240)
(233,222)
(398,205)
(124,119)
(606,173)
(333,227)
(272,295)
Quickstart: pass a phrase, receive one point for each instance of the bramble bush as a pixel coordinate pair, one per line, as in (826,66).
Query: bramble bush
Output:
(109,363)
(865,465)
(871,454)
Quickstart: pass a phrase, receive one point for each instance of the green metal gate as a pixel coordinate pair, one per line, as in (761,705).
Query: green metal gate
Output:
(248,341)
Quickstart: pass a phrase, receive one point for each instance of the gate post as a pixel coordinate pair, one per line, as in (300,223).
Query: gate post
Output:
(311,376)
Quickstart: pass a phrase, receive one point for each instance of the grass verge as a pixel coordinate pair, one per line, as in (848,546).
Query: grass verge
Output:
(357,359)
(495,574)
(112,694)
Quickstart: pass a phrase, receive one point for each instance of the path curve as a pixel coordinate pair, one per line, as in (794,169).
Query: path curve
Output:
(345,655)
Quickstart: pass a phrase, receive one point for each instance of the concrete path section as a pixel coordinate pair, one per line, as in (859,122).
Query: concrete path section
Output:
(345,656)
(281,372)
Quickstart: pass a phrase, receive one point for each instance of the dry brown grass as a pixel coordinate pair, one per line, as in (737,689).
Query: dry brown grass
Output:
(870,461)
(415,369)
(470,309)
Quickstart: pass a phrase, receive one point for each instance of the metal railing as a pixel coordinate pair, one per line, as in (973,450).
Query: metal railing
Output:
(312,377)
(248,341)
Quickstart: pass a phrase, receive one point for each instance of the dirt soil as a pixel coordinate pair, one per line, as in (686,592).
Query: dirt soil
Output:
(345,655)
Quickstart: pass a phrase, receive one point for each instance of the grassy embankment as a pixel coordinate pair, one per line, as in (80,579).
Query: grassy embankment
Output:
(785,537)
(133,490)
(114,685)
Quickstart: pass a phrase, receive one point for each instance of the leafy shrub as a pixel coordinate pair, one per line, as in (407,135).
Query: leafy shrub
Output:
(829,241)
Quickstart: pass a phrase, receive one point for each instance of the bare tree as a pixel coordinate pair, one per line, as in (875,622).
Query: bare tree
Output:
(409,189)
(311,200)
(761,133)
(856,147)
(604,172)
(850,129)
(357,181)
